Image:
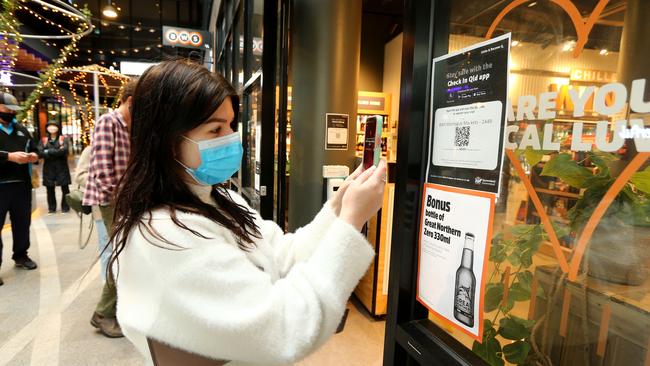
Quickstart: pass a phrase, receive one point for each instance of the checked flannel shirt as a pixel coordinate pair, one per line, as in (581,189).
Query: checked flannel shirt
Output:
(108,159)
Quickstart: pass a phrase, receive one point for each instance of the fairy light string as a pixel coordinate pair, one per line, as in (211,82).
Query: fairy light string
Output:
(49,76)
(9,45)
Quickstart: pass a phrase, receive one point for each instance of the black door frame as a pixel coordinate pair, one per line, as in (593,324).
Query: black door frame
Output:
(410,338)
(283,45)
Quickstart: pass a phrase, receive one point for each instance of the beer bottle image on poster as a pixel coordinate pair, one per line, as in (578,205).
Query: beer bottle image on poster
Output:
(468,116)
(465,285)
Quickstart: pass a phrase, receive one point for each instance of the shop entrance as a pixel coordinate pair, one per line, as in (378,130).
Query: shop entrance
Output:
(566,276)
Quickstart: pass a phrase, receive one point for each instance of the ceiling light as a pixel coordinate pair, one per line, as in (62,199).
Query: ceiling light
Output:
(137,29)
(152,30)
(121,27)
(515,43)
(112,52)
(105,24)
(532,4)
(89,59)
(89,51)
(136,50)
(147,48)
(101,52)
(124,52)
(604,52)
(109,11)
(568,46)
(159,45)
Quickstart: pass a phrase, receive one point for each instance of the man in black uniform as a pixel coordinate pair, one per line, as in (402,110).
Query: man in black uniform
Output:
(17,149)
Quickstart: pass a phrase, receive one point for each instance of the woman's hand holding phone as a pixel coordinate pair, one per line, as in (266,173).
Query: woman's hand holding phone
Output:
(336,201)
(363,195)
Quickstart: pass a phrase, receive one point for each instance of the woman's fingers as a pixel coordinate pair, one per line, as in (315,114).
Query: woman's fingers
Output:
(365,175)
(356,173)
(380,173)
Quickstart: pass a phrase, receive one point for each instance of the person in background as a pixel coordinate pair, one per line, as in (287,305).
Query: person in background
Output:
(80,179)
(17,150)
(54,148)
(197,269)
(108,159)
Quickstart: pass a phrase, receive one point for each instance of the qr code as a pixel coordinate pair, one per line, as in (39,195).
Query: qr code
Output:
(462,136)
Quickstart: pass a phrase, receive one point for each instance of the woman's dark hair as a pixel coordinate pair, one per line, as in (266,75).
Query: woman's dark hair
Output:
(169,100)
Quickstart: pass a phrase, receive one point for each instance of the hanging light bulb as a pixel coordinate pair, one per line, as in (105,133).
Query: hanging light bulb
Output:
(109,11)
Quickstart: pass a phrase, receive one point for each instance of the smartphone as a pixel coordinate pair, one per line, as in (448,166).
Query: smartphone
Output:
(372,141)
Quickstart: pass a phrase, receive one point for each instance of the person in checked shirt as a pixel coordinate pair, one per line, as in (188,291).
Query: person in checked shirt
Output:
(108,160)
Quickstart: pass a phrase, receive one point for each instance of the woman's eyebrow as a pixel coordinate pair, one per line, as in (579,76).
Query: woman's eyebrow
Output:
(217,119)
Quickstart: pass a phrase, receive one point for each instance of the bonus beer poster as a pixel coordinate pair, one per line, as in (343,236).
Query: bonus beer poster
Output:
(469,91)
(455,231)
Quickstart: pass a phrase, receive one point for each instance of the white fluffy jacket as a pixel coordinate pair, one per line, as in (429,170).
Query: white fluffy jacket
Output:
(271,306)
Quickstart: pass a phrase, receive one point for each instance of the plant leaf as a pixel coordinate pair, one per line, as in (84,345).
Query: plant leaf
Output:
(488,329)
(519,230)
(602,160)
(498,252)
(516,352)
(515,257)
(493,296)
(642,180)
(563,167)
(490,350)
(525,278)
(534,156)
(518,292)
(515,328)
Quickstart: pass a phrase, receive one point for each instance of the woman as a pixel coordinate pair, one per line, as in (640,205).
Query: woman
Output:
(196,268)
(53,148)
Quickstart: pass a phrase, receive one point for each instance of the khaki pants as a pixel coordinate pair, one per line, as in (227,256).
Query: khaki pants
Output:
(107,303)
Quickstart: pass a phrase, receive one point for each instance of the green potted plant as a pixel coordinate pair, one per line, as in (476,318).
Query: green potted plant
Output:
(618,250)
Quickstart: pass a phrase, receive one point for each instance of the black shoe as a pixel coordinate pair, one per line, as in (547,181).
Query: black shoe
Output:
(26,263)
(65,210)
(1,282)
(51,212)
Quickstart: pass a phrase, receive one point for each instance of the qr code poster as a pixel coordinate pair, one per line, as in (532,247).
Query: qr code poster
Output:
(336,131)
(465,136)
(469,91)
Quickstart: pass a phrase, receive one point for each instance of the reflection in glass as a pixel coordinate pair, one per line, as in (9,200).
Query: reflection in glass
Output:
(568,267)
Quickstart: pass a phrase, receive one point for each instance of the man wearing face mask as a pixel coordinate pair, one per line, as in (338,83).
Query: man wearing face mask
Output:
(108,160)
(17,150)
(53,148)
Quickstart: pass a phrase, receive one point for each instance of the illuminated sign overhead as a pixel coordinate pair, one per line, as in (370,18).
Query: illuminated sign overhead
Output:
(598,76)
(185,37)
(134,68)
(5,78)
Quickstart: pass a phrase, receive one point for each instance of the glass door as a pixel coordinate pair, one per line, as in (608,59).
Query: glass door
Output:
(568,269)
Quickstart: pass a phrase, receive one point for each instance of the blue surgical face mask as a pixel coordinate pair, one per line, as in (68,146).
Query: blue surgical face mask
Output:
(220,159)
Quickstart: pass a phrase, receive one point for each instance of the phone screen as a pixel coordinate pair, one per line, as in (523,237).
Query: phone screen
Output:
(372,141)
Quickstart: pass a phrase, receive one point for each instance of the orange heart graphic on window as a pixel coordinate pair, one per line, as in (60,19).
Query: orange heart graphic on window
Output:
(583,28)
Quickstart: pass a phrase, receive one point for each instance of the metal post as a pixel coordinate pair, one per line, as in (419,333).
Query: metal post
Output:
(96,93)
(325,42)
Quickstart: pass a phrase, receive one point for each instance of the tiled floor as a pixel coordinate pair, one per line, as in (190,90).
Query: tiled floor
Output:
(44,314)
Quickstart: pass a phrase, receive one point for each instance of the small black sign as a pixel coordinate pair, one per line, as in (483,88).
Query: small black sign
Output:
(336,131)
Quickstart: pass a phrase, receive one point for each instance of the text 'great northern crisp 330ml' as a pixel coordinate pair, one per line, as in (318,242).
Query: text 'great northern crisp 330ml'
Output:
(465,285)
